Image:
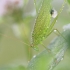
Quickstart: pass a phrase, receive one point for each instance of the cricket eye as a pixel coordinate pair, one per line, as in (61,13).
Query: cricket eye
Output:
(53,13)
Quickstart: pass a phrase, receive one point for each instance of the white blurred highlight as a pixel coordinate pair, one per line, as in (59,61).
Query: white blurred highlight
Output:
(66,27)
(16,30)
(54,13)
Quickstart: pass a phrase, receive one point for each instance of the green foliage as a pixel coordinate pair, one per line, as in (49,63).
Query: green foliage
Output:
(13,68)
(68,1)
(17,16)
(48,60)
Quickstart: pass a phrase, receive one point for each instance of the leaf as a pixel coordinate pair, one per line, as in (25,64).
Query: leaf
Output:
(65,64)
(42,22)
(48,60)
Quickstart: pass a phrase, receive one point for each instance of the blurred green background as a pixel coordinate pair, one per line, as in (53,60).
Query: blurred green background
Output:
(13,52)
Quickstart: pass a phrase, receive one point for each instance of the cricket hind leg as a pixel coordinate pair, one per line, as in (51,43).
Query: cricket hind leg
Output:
(49,50)
(56,31)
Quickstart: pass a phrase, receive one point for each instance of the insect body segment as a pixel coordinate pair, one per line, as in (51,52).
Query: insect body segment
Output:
(42,23)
